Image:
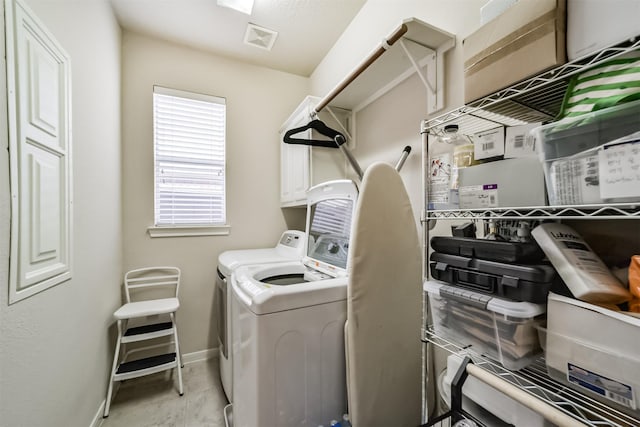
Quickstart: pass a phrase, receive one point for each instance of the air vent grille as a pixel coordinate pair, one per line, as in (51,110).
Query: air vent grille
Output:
(260,37)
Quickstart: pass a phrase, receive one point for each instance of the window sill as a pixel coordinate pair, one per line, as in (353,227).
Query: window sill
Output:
(186,231)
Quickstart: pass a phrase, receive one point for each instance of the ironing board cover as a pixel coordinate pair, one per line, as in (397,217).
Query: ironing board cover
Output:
(382,333)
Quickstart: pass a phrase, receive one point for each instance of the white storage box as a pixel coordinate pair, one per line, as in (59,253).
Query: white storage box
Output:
(596,351)
(488,398)
(494,8)
(570,152)
(500,329)
(488,144)
(595,24)
(519,142)
(504,183)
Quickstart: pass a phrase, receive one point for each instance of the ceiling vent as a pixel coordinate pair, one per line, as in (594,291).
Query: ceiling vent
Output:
(260,37)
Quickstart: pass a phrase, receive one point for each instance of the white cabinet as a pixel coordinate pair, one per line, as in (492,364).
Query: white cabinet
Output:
(302,166)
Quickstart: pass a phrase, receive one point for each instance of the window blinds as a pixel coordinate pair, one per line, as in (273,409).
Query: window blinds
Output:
(332,217)
(189,156)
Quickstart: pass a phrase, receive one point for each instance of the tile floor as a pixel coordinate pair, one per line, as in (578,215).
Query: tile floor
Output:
(154,400)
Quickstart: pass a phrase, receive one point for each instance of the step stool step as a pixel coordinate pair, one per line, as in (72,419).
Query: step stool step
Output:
(145,329)
(147,362)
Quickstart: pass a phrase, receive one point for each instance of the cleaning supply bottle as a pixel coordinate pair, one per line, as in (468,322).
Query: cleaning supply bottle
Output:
(493,231)
(586,276)
(448,153)
(523,232)
(345,420)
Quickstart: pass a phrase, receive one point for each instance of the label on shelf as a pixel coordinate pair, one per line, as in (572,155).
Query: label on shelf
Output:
(611,389)
(479,196)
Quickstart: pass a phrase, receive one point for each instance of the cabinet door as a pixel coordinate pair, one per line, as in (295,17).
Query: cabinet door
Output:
(294,167)
(294,173)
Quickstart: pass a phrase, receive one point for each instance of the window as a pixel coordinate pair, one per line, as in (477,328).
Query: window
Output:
(189,155)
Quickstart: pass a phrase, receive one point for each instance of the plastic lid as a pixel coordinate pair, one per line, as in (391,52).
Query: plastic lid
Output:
(521,310)
(451,128)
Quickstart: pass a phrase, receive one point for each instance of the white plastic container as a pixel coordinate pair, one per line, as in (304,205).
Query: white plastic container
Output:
(500,329)
(586,276)
(595,24)
(447,154)
(596,351)
(488,398)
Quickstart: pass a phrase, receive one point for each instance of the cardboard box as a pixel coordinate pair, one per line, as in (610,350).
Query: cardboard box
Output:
(528,38)
(595,350)
(519,142)
(613,20)
(488,144)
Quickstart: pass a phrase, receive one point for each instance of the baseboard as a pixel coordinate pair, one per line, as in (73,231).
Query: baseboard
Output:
(196,356)
(97,419)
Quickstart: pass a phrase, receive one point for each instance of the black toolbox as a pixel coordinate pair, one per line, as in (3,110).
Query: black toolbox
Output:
(494,250)
(518,282)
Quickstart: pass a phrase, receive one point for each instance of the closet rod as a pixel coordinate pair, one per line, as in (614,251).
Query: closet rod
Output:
(394,37)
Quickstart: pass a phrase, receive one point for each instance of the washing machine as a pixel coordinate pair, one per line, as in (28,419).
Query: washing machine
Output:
(288,322)
(290,247)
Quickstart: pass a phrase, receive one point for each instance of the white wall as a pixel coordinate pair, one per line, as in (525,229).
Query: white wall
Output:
(55,349)
(393,121)
(258,102)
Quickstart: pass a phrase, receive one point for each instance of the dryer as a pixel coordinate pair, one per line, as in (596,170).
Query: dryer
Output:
(288,322)
(290,247)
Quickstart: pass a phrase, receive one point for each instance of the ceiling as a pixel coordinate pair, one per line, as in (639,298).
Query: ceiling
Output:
(307,29)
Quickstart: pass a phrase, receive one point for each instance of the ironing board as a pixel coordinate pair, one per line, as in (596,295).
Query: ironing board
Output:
(382,334)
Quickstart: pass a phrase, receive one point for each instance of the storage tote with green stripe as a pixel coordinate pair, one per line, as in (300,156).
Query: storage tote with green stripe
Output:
(577,156)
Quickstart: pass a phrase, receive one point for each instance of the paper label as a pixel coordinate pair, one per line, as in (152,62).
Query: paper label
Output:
(620,170)
(489,144)
(440,178)
(606,387)
(520,142)
(580,255)
(479,196)
(574,181)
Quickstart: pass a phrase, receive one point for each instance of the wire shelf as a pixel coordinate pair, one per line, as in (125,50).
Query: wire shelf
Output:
(607,212)
(535,381)
(533,100)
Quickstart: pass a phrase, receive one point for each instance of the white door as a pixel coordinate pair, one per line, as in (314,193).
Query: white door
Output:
(38,82)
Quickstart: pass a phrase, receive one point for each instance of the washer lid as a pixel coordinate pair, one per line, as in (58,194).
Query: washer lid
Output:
(329,217)
(264,298)
(290,247)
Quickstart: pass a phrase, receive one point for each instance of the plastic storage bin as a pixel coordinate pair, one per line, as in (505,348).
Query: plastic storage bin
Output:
(570,148)
(596,351)
(502,330)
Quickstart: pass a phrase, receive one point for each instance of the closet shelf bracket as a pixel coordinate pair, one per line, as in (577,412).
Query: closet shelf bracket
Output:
(420,46)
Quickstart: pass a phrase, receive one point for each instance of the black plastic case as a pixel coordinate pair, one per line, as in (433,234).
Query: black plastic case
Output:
(517,282)
(493,250)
